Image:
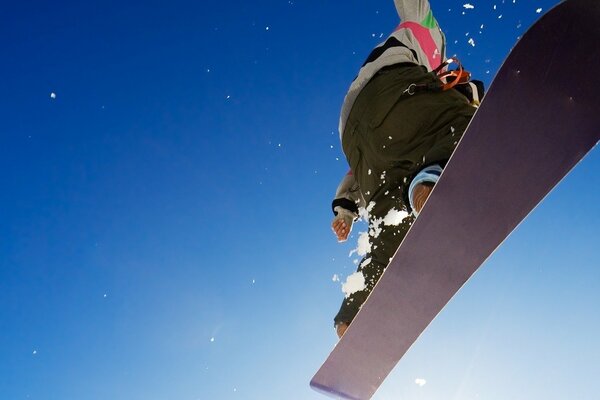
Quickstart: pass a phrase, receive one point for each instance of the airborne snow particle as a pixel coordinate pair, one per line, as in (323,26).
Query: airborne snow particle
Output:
(335,278)
(468,6)
(420,381)
(34,352)
(539,10)
(53,95)
(212,339)
(472,42)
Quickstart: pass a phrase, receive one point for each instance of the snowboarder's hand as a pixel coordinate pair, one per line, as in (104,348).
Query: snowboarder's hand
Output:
(340,329)
(342,223)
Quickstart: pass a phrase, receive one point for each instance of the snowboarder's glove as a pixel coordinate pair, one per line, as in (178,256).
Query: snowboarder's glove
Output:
(342,223)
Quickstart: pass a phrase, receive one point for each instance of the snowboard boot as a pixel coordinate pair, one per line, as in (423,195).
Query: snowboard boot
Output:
(421,186)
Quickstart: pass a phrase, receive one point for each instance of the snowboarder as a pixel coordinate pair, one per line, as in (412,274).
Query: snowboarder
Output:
(396,143)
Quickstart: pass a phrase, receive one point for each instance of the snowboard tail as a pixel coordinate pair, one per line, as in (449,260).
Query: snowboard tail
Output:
(538,120)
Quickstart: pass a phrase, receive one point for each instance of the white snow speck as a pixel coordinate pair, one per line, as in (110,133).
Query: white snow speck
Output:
(34,352)
(354,283)
(370,206)
(369,172)
(472,42)
(468,6)
(53,95)
(212,339)
(375,227)
(335,278)
(539,10)
(394,217)
(420,381)
(365,262)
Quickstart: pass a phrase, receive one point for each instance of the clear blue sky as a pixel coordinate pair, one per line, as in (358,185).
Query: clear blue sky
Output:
(164,220)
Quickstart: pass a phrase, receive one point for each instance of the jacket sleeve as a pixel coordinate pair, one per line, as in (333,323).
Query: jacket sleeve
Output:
(347,195)
(413,10)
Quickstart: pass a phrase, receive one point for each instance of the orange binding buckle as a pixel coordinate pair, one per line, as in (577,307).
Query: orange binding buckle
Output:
(448,79)
(452,78)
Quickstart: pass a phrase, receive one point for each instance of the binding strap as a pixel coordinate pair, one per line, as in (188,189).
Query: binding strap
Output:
(447,79)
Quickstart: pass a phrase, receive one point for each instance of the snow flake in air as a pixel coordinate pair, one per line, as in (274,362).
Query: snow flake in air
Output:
(539,10)
(335,278)
(53,96)
(472,42)
(468,6)
(420,381)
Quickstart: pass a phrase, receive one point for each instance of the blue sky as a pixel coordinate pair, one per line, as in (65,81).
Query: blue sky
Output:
(165,217)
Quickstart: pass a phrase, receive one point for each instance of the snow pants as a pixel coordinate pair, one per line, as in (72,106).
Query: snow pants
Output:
(389,138)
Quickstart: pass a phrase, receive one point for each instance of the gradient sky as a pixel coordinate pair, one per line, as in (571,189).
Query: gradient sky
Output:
(167,170)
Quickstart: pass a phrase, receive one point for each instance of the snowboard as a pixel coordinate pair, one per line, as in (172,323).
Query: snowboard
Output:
(539,118)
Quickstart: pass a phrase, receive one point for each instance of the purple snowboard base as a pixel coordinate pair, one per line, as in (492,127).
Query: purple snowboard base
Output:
(540,117)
